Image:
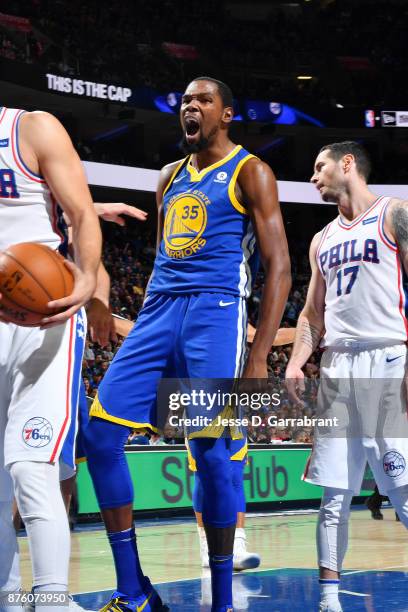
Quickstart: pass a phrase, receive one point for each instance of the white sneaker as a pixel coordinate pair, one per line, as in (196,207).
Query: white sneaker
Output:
(7,604)
(242,558)
(205,562)
(326,606)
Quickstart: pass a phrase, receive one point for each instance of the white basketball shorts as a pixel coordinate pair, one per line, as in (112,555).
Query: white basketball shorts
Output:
(363,387)
(40,373)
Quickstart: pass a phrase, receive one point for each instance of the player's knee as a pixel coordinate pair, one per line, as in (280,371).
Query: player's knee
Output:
(215,477)
(213,466)
(103,439)
(212,457)
(335,506)
(34,483)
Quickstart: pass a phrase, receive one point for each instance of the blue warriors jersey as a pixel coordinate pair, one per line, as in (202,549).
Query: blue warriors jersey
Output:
(208,242)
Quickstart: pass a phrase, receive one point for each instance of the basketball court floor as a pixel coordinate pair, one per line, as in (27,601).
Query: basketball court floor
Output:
(375,577)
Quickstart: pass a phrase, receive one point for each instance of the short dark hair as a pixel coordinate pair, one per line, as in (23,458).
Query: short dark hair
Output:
(337,150)
(223,89)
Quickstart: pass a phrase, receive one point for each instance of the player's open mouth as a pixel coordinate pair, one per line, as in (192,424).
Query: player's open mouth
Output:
(192,126)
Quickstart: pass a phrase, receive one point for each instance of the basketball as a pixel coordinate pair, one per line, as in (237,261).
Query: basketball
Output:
(31,275)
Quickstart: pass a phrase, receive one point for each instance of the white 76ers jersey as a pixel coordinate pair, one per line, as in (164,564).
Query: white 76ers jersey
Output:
(365,298)
(28,210)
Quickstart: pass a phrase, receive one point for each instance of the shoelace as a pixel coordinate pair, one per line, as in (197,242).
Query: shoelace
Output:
(112,606)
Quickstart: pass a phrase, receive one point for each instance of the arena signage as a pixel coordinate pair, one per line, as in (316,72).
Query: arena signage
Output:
(271,475)
(78,87)
(394,119)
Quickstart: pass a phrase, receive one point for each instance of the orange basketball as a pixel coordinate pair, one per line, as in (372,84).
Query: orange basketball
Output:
(31,275)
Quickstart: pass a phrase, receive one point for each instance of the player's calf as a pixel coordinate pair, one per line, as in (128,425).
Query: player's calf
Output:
(39,500)
(332,539)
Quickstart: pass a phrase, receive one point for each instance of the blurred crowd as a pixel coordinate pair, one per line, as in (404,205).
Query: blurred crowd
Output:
(129,265)
(355,51)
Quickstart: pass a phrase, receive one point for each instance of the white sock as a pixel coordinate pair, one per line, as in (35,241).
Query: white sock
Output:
(240,533)
(329,590)
(239,541)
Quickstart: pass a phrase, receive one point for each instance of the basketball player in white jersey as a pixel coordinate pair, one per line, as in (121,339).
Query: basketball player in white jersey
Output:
(356,305)
(40,177)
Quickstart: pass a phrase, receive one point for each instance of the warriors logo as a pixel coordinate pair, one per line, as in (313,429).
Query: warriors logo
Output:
(185,222)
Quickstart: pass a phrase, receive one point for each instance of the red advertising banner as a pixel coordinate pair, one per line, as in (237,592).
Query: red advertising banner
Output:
(15,23)
(187,52)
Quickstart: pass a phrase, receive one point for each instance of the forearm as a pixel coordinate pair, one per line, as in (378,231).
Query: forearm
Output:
(87,241)
(102,290)
(273,302)
(98,206)
(309,330)
(122,326)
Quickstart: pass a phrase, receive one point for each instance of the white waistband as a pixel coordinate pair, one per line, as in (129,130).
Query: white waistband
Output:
(363,345)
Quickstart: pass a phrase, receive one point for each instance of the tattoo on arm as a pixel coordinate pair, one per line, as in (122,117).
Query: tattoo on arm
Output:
(400,224)
(310,335)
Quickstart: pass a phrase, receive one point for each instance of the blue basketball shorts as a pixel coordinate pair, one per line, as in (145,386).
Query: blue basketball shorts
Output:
(197,336)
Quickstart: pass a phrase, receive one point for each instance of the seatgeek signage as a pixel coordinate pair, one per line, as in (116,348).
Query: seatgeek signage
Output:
(89,89)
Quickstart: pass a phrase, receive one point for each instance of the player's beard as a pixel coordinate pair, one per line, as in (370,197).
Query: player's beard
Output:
(193,147)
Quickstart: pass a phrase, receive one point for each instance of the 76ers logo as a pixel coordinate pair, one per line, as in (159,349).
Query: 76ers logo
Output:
(185,222)
(37,432)
(393,463)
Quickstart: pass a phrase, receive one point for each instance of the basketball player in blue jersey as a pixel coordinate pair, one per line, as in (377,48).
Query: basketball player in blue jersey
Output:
(356,306)
(215,208)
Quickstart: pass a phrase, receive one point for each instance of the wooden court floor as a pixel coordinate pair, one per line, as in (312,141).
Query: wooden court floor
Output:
(169,550)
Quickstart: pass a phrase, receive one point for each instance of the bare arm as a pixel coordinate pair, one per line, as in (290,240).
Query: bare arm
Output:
(259,191)
(122,326)
(396,227)
(47,149)
(310,325)
(100,322)
(284,335)
(113,211)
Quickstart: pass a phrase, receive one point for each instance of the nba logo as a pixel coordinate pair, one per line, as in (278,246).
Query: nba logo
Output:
(369,118)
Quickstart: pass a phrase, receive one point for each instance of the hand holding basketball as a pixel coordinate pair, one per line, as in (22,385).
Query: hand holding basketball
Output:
(84,288)
(31,275)
(38,287)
